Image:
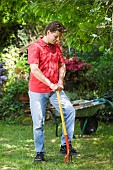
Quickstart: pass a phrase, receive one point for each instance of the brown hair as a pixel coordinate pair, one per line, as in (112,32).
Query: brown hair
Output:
(55,26)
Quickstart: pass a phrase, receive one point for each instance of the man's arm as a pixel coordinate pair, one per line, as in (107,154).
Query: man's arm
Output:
(62,71)
(41,77)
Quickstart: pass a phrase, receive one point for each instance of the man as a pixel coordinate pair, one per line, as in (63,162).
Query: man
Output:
(47,75)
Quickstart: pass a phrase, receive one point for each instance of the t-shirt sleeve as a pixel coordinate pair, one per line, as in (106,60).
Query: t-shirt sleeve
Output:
(33,54)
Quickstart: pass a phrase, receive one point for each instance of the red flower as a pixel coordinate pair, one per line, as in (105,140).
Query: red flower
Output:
(75,68)
(89,65)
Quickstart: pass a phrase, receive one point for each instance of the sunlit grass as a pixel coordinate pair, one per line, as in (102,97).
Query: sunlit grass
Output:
(17,148)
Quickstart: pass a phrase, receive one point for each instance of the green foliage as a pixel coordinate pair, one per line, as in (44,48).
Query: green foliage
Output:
(11,10)
(81,93)
(16,65)
(88,22)
(10,106)
(18,87)
(18,73)
(101,74)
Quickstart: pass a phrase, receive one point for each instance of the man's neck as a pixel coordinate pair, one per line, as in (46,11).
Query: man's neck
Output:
(45,39)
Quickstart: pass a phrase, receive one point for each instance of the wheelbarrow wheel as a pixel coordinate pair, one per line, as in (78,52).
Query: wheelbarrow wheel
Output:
(91,125)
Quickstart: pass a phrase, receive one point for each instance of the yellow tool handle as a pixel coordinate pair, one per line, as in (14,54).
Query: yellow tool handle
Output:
(68,156)
(61,112)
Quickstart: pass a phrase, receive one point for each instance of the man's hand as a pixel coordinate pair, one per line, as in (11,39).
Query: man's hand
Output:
(56,87)
(61,86)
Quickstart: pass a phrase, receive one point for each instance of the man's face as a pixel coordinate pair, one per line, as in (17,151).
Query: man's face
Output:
(53,37)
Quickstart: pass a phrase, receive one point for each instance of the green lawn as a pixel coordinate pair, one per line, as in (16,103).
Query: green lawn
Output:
(17,148)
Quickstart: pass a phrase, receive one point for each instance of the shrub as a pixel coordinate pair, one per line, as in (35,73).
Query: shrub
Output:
(18,74)
(10,105)
(101,74)
(76,70)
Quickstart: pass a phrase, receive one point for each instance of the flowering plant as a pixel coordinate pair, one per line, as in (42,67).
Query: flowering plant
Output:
(75,69)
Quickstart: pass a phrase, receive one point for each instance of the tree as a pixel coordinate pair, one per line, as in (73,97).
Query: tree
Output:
(89,22)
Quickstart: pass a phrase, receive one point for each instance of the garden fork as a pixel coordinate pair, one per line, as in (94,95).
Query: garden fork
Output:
(68,156)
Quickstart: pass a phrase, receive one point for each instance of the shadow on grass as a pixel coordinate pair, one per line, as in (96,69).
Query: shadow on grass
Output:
(17,149)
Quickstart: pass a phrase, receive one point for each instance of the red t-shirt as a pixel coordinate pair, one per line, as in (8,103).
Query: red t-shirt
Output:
(48,58)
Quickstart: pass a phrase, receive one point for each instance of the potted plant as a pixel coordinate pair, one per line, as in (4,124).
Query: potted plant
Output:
(19,89)
(23,90)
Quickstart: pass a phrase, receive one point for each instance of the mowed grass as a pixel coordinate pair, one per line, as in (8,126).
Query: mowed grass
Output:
(17,148)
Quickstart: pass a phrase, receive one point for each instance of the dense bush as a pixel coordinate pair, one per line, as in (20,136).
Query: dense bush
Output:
(18,74)
(76,70)
(101,74)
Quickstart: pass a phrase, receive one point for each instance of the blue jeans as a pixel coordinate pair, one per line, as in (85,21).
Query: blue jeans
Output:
(38,102)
